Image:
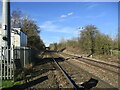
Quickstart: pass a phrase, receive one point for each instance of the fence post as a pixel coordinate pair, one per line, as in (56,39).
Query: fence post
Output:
(14,56)
(13,64)
(30,54)
(10,66)
(0,68)
(24,55)
(4,59)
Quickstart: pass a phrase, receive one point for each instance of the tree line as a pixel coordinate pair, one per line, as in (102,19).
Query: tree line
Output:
(90,40)
(29,26)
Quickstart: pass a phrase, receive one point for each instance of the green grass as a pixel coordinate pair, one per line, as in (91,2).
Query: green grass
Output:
(10,83)
(115,52)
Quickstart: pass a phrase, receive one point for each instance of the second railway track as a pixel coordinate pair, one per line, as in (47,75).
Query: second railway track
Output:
(78,75)
(105,75)
(106,66)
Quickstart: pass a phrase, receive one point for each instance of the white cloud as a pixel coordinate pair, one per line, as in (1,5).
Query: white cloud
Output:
(66,15)
(96,16)
(70,14)
(50,26)
(63,16)
(92,6)
(59,31)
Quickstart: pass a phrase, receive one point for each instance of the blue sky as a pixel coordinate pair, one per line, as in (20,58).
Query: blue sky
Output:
(61,19)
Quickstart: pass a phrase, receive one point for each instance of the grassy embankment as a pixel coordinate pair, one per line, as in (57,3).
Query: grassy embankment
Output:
(10,83)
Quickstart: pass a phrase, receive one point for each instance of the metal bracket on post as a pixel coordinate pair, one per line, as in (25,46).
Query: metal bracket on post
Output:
(4,27)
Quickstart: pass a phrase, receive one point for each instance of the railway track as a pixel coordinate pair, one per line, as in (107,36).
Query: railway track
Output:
(112,68)
(90,63)
(73,85)
(76,76)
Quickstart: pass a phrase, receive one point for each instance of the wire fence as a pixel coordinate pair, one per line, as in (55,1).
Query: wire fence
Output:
(22,56)
(19,58)
(6,66)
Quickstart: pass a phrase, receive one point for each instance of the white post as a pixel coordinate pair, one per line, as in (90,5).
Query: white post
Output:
(1,69)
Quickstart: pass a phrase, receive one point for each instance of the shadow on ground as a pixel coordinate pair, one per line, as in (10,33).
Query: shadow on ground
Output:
(38,62)
(27,85)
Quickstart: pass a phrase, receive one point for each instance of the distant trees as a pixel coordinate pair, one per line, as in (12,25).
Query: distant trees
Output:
(17,19)
(87,38)
(28,25)
(103,44)
(116,42)
(91,41)
(94,41)
(54,46)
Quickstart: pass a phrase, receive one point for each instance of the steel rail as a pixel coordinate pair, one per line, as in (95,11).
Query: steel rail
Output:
(102,62)
(100,67)
(95,61)
(64,73)
(97,65)
(93,75)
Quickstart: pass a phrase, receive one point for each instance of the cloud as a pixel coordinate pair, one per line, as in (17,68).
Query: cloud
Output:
(59,31)
(66,15)
(92,6)
(70,14)
(50,26)
(96,16)
(63,16)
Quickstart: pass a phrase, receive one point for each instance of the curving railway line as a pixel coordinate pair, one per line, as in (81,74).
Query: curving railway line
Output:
(104,65)
(76,75)
(104,72)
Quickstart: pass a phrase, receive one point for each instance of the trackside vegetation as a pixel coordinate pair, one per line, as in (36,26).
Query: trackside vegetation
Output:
(90,41)
(29,26)
(32,30)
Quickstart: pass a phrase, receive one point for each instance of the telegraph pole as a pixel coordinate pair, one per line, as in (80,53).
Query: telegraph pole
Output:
(6,33)
(6,23)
